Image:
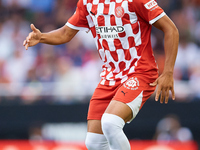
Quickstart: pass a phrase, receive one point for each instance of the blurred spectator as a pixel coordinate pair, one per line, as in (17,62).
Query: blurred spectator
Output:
(4,80)
(69,81)
(19,3)
(169,128)
(41,6)
(186,58)
(35,132)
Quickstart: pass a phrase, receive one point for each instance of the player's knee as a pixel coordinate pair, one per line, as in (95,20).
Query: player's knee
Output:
(111,124)
(107,127)
(96,141)
(90,145)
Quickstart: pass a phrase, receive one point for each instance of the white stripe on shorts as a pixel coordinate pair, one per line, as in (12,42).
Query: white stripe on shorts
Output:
(135,105)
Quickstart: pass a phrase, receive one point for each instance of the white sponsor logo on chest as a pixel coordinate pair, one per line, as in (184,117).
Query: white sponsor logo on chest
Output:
(109,32)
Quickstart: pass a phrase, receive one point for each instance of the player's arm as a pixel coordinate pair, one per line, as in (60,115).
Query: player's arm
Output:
(165,81)
(55,37)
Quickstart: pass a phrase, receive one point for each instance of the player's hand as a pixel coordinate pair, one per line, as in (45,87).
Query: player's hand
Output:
(33,38)
(165,84)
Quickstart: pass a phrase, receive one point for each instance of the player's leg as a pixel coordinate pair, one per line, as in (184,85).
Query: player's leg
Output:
(113,121)
(95,140)
(125,105)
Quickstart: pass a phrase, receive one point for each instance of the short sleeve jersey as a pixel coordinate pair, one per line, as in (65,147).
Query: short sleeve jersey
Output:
(122,31)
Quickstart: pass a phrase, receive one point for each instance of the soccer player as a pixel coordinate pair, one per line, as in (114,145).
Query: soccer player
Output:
(121,30)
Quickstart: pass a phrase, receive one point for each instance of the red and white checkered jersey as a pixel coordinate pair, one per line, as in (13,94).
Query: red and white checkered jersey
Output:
(122,30)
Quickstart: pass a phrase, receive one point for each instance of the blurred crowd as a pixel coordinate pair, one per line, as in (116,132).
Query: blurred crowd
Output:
(70,72)
(169,128)
(186,15)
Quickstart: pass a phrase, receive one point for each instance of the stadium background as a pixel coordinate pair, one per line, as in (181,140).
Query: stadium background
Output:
(44,92)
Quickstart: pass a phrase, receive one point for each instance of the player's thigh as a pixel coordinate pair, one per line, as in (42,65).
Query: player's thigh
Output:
(130,97)
(120,109)
(94,126)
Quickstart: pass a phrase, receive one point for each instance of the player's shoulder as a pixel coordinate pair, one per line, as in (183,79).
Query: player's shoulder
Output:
(144,1)
(81,3)
(84,2)
(148,4)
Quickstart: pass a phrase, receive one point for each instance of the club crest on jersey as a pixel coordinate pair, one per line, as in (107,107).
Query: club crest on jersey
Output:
(151,4)
(109,32)
(132,83)
(119,12)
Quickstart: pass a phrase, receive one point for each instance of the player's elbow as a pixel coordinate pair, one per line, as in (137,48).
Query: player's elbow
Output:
(175,31)
(172,33)
(66,40)
(65,37)
(172,30)
(175,34)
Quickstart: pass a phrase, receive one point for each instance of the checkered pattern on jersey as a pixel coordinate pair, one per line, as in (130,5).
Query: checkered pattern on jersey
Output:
(119,53)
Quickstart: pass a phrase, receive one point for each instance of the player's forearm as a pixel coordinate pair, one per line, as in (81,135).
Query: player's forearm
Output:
(171,41)
(59,36)
(54,37)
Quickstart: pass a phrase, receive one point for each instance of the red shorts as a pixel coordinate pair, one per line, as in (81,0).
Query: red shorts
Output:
(134,92)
